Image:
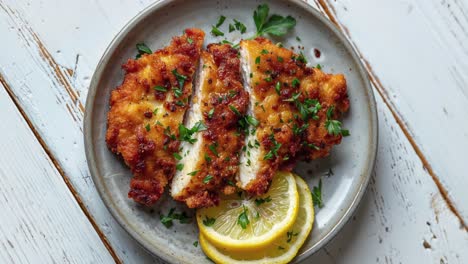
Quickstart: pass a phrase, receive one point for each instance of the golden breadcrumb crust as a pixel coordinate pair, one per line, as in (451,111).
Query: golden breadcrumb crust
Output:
(143,121)
(278,74)
(220,90)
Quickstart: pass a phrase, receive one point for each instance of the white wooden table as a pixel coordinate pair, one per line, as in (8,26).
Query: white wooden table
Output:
(416,208)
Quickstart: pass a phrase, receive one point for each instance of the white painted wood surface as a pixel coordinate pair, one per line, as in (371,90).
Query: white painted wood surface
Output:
(40,221)
(51,48)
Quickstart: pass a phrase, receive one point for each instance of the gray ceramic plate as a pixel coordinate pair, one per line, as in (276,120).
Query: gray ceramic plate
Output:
(351,162)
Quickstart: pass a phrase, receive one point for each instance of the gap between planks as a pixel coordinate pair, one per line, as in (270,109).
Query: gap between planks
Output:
(330,12)
(101,235)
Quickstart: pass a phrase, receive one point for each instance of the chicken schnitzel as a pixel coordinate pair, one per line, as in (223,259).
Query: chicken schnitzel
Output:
(295,108)
(209,161)
(146,110)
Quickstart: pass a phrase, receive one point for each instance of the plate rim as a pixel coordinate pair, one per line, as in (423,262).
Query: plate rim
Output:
(89,146)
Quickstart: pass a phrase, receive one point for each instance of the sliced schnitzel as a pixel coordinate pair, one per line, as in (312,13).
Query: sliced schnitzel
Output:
(146,110)
(290,102)
(210,158)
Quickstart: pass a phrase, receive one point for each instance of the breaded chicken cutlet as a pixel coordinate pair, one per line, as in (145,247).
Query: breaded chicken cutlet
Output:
(146,110)
(293,105)
(210,160)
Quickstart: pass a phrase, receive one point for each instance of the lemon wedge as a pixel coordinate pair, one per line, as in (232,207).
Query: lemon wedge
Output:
(241,222)
(281,250)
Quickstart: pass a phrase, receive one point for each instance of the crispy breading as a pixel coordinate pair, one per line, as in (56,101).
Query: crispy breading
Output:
(279,82)
(146,110)
(220,101)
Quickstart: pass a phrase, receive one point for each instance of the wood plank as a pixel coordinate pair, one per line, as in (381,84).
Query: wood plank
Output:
(45,61)
(402,218)
(422,81)
(41,221)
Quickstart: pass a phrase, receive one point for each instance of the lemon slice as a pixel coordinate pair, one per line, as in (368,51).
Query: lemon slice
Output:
(241,222)
(281,250)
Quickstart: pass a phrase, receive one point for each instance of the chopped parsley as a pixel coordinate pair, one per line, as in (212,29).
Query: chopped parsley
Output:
(268,79)
(195,244)
(155,111)
(207,179)
(252,120)
(280,59)
(177,156)
(179,166)
(301,58)
(185,134)
(213,149)
(298,38)
(273,151)
(290,235)
(142,49)
(207,158)
(243,219)
(334,127)
(264,51)
(257,60)
(231,28)
(148,127)
(193,173)
(240,26)
(234,109)
(189,40)
(318,66)
(278,87)
(220,21)
(295,83)
(177,92)
(216,32)
(260,201)
(180,78)
(308,109)
(317,195)
(160,88)
(167,221)
(210,113)
(208,221)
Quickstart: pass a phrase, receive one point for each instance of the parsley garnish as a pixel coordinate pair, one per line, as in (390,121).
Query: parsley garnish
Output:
(231,28)
(252,121)
(180,78)
(210,113)
(195,244)
(301,58)
(207,179)
(177,92)
(207,158)
(273,151)
(189,40)
(142,49)
(167,220)
(275,24)
(193,173)
(243,219)
(257,60)
(216,32)
(280,59)
(317,195)
(298,38)
(177,156)
(239,26)
(234,109)
(185,134)
(160,88)
(334,127)
(308,109)
(179,166)
(318,66)
(295,83)
(208,221)
(155,111)
(213,147)
(260,201)
(278,87)
(148,127)
(220,20)
(290,235)
(264,51)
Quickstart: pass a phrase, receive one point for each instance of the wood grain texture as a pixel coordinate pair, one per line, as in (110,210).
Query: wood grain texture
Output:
(40,220)
(422,81)
(53,51)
